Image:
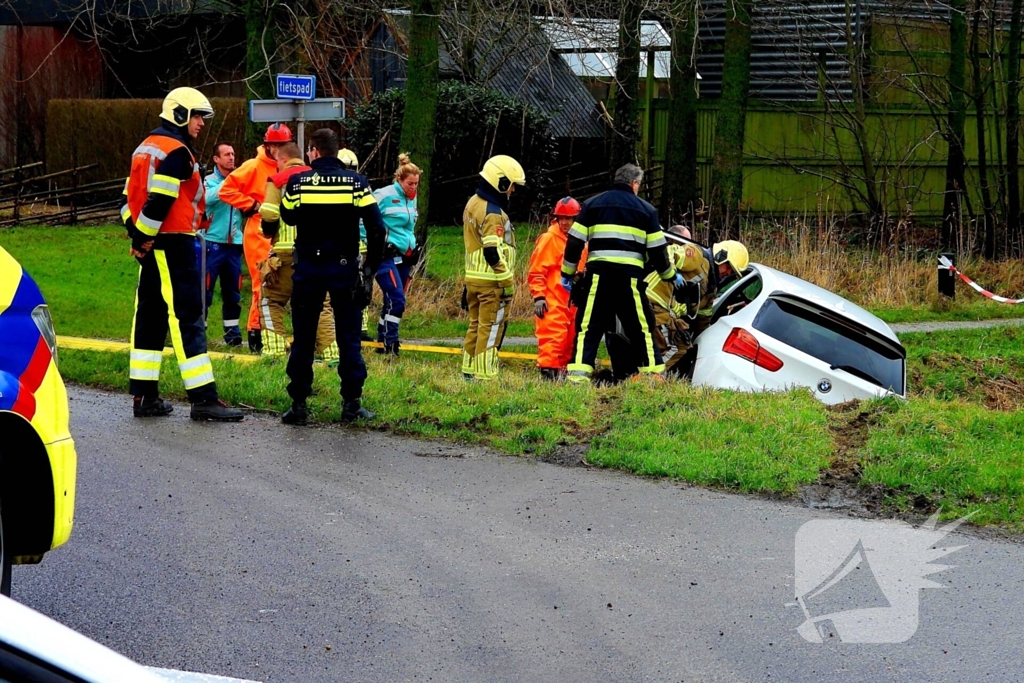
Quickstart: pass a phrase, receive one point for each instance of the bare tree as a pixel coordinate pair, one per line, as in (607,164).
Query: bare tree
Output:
(730,128)
(679,190)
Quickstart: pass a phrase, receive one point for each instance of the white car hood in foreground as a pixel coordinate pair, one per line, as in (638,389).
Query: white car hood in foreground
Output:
(32,633)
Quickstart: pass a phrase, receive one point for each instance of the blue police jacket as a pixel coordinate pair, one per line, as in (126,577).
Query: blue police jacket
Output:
(225,220)
(400,214)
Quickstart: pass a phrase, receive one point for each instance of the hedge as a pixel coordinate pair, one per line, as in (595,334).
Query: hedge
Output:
(106,132)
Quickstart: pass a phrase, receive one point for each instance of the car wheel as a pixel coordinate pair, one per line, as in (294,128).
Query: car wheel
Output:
(5,559)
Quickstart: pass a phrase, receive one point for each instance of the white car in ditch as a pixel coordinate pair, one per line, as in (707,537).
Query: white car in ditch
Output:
(771,331)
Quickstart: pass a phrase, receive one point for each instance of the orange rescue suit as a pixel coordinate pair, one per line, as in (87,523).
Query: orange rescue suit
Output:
(556,331)
(242,189)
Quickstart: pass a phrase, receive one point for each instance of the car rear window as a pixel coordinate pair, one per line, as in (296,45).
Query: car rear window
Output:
(827,336)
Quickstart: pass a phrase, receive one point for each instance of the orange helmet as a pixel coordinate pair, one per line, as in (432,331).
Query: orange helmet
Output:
(278,132)
(567,206)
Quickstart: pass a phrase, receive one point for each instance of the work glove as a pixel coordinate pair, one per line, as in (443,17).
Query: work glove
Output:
(366,288)
(464,304)
(252,210)
(508,292)
(540,307)
(567,283)
(678,282)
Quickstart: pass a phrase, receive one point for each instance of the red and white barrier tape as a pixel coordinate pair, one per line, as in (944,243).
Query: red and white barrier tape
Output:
(946,264)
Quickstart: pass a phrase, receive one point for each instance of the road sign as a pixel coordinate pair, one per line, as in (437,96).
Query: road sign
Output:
(273,111)
(295,87)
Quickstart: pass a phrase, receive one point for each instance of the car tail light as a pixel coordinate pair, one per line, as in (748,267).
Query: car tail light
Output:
(745,345)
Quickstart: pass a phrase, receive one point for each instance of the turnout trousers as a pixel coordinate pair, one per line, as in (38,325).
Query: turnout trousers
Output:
(274,299)
(315,278)
(488,319)
(169,298)
(393,279)
(606,297)
(224,263)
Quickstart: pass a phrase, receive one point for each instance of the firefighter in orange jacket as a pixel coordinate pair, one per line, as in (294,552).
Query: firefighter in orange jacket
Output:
(245,189)
(555,319)
(165,205)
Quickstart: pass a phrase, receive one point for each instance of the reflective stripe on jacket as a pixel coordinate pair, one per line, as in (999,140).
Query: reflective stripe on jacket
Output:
(270,209)
(622,232)
(485,224)
(145,180)
(400,214)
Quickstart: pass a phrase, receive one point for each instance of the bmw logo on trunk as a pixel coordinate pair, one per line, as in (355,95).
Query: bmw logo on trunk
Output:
(824,386)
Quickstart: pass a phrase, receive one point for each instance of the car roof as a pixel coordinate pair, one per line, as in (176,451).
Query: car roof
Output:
(775,281)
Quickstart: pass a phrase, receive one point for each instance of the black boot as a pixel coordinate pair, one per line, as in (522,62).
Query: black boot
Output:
(353,410)
(296,415)
(145,406)
(388,349)
(551,374)
(365,336)
(216,410)
(256,341)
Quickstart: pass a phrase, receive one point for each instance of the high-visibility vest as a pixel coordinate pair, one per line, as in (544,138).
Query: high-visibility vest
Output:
(189,195)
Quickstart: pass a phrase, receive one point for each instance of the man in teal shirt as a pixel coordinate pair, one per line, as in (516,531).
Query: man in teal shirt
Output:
(224,245)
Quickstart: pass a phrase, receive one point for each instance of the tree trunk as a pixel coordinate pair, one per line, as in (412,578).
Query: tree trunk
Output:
(956,120)
(421,100)
(727,174)
(980,86)
(1013,129)
(627,82)
(679,189)
(260,44)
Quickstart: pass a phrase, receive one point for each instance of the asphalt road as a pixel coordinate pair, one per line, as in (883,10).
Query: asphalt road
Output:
(288,554)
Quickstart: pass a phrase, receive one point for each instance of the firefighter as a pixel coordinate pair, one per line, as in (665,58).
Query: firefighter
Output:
(705,273)
(622,233)
(325,204)
(277,270)
(682,314)
(397,204)
(555,315)
(245,190)
(164,208)
(490,262)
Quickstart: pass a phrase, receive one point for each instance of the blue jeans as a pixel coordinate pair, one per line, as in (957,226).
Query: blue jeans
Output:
(224,263)
(393,278)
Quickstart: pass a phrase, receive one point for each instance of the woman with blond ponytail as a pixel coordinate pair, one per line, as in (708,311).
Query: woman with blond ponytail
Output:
(397,204)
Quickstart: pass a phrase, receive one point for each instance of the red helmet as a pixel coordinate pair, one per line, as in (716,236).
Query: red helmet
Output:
(567,206)
(278,132)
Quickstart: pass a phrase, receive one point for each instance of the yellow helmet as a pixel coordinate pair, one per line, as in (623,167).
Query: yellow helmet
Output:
(501,171)
(181,104)
(348,159)
(733,253)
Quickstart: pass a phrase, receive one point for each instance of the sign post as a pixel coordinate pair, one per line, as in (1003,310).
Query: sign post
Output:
(296,102)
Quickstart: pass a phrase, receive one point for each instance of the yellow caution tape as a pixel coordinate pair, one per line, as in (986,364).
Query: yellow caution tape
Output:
(82,344)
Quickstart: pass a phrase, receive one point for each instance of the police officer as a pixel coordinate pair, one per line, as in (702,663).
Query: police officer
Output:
(622,232)
(165,205)
(325,205)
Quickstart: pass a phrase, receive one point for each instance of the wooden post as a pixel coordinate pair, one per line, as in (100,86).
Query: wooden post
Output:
(947,279)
